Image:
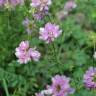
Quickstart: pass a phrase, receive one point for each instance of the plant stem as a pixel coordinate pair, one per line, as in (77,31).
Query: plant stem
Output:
(56,57)
(5,87)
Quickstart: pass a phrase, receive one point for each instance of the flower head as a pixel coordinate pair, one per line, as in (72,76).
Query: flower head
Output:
(25,54)
(61,14)
(11,3)
(21,52)
(16,2)
(2,2)
(24,45)
(29,25)
(42,7)
(41,4)
(69,5)
(49,32)
(34,54)
(90,78)
(39,15)
(60,86)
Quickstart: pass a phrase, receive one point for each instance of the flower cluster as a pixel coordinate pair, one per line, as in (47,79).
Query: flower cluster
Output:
(42,7)
(1,2)
(60,87)
(60,84)
(39,15)
(49,32)
(29,25)
(90,78)
(12,3)
(25,54)
(68,7)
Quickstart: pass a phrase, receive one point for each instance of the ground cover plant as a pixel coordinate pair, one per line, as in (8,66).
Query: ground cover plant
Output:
(47,47)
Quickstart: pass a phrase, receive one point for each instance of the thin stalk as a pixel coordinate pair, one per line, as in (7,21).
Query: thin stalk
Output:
(60,49)
(56,57)
(5,87)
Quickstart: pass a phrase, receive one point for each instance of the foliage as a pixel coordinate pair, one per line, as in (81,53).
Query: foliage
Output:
(71,54)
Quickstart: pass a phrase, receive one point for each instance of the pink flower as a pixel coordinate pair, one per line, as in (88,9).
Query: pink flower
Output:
(90,78)
(2,2)
(34,54)
(24,57)
(42,7)
(35,3)
(24,45)
(25,54)
(49,32)
(39,15)
(60,86)
(16,2)
(41,4)
(39,94)
(69,5)
(29,25)
(11,2)
(21,52)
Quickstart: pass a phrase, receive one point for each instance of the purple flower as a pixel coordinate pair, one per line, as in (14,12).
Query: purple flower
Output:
(21,52)
(39,94)
(42,7)
(12,3)
(24,45)
(49,32)
(34,54)
(90,78)
(41,4)
(16,2)
(60,86)
(61,15)
(69,5)
(2,2)
(38,15)
(25,54)
(29,25)
(35,3)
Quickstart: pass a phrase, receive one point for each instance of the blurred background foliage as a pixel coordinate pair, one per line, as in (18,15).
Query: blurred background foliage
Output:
(73,49)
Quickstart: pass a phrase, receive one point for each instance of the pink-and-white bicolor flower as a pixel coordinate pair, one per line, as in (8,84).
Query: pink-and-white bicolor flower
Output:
(49,32)
(25,54)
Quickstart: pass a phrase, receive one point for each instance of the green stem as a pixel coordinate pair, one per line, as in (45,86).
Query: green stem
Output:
(94,91)
(62,40)
(8,16)
(29,37)
(56,57)
(5,87)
